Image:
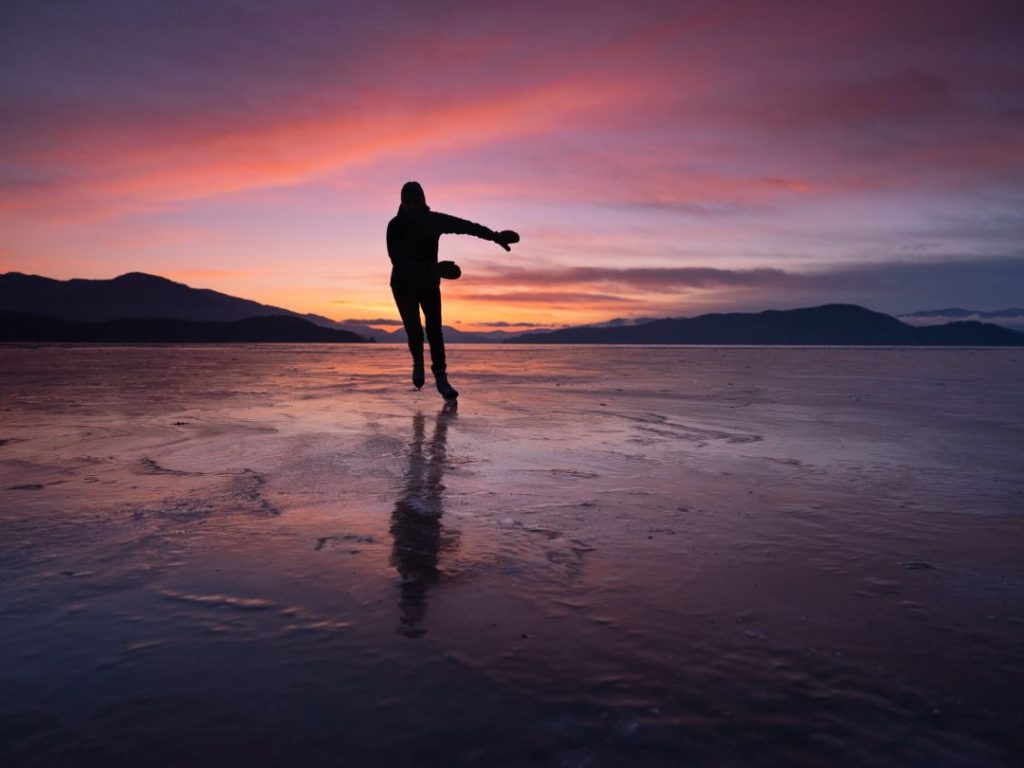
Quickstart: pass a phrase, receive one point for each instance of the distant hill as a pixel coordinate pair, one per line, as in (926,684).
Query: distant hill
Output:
(1012,318)
(132,295)
(832,324)
(18,326)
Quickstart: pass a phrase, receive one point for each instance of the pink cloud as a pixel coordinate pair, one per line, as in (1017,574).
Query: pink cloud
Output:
(292,152)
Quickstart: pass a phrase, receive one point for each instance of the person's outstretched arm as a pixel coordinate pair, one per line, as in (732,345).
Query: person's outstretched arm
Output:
(452,225)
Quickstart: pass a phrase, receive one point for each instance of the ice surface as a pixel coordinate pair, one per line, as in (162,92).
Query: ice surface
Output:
(285,555)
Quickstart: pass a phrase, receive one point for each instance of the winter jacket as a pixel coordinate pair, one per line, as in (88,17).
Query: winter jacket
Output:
(412,245)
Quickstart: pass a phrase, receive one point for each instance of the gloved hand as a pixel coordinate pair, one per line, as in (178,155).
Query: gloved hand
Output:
(505,238)
(448,270)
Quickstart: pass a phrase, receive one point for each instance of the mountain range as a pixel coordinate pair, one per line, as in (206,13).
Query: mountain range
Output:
(137,307)
(832,324)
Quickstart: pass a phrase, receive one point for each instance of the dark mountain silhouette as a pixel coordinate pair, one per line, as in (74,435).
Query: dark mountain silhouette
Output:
(832,324)
(1012,317)
(18,326)
(132,295)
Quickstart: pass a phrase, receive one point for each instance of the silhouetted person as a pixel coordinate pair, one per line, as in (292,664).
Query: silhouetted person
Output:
(415,280)
(416,526)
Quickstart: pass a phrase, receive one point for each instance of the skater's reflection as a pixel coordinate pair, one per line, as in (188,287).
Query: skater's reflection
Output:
(419,537)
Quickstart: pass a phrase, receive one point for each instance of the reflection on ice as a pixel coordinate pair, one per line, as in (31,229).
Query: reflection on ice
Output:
(416,526)
(730,557)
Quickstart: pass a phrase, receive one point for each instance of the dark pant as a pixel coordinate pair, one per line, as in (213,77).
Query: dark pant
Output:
(409,301)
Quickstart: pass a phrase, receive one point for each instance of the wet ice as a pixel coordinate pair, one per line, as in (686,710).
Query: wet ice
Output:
(282,554)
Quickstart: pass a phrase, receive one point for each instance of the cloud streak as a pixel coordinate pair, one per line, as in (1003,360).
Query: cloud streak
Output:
(655,279)
(550,298)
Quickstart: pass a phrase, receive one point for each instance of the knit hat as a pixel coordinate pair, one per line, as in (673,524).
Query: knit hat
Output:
(412,190)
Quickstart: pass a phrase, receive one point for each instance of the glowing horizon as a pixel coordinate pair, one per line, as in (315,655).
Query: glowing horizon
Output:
(666,160)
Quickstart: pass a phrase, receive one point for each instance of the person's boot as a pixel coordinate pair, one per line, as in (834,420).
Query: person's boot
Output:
(448,392)
(418,375)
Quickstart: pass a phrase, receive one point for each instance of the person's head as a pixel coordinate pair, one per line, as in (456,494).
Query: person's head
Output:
(414,202)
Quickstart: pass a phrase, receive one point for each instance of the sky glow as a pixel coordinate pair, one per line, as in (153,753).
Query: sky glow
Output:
(657,158)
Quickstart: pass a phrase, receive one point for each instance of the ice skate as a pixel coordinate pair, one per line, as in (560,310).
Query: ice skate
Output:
(448,392)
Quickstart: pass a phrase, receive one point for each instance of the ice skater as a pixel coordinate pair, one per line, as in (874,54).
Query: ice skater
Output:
(416,275)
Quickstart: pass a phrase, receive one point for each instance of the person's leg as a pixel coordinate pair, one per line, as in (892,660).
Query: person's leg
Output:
(409,308)
(431,302)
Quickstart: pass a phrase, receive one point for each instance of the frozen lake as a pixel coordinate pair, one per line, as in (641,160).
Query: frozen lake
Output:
(284,555)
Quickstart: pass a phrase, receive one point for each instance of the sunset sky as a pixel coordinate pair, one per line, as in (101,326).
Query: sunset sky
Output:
(657,158)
